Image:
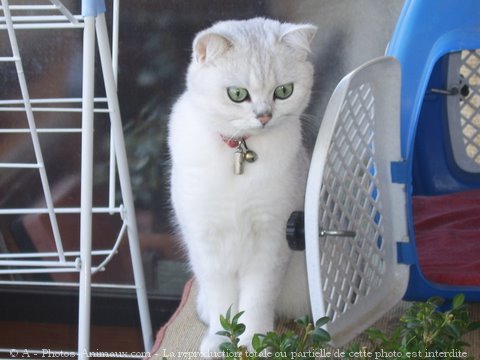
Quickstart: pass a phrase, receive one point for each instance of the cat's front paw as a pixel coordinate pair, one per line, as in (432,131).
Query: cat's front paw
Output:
(210,346)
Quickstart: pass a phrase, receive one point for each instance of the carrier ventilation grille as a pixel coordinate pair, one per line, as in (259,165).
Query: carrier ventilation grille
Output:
(464,109)
(350,200)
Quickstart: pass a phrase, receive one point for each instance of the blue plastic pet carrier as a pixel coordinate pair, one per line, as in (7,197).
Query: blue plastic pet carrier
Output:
(393,192)
(437,44)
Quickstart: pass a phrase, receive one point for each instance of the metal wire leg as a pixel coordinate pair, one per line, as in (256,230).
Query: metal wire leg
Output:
(86,188)
(124,177)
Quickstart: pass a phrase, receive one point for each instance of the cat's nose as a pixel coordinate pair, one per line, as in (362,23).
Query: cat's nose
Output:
(264,118)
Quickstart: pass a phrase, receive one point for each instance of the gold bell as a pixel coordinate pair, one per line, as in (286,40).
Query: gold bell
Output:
(250,156)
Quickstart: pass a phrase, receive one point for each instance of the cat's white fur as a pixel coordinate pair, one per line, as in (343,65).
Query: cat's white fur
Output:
(233,226)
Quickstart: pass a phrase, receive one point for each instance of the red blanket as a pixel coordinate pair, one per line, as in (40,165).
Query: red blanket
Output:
(447,234)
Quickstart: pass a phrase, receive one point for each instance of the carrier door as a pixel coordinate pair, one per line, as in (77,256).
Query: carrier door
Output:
(355,214)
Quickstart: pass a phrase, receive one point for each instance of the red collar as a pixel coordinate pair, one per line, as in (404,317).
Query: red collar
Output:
(233,142)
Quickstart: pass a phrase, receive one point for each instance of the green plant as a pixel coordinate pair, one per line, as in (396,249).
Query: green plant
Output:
(425,332)
(304,344)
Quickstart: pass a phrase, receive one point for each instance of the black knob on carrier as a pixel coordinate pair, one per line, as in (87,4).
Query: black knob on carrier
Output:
(296,231)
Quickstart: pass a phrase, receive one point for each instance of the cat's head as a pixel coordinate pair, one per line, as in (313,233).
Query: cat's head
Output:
(251,75)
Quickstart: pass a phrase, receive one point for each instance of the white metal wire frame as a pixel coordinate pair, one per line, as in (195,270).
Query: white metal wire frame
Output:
(37,17)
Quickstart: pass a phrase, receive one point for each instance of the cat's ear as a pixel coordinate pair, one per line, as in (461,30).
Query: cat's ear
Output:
(209,45)
(299,37)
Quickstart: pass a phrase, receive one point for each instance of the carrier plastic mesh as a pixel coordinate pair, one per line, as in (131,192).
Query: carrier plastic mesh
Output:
(350,200)
(470,106)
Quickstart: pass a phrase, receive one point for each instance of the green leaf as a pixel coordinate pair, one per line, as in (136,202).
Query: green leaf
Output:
(322,321)
(458,301)
(408,318)
(437,301)
(288,344)
(227,315)
(271,339)
(227,347)
(236,317)
(475,325)
(239,329)
(224,333)
(257,342)
(453,330)
(320,335)
(224,321)
(304,320)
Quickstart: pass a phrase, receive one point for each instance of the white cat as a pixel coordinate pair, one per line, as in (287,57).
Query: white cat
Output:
(248,81)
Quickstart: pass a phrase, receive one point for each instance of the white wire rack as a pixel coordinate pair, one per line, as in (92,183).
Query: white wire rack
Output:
(52,14)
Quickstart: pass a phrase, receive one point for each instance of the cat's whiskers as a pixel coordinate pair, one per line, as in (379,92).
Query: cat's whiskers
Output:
(310,126)
(310,122)
(242,129)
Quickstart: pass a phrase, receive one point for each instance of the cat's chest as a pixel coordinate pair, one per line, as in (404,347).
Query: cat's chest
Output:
(206,163)
(237,166)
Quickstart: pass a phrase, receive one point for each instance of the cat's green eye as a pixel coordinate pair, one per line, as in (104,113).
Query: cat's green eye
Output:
(283,92)
(237,94)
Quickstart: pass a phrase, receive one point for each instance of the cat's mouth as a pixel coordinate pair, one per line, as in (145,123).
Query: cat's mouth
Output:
(245,128)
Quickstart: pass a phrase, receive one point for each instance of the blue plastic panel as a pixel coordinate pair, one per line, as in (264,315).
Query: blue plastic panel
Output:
(420,42)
